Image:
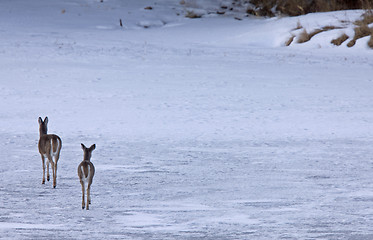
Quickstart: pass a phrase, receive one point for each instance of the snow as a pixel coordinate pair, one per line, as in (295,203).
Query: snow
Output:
(205,128)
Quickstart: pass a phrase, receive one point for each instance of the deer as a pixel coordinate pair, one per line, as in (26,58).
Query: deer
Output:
(86,171)
(49,147)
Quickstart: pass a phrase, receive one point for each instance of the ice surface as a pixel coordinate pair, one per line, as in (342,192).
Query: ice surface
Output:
(205,128)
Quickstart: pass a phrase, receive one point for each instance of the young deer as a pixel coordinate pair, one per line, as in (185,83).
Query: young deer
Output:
(50,148)
(86,171)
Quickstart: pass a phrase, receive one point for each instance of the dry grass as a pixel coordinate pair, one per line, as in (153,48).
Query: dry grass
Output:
(292,7)
(360,32)
(367,4)
(305,36)
(192,14)
(300,7)
(299,26)
(338,41)
(370,43)
(290,40)
(367,19)
(351,43)
(363,27)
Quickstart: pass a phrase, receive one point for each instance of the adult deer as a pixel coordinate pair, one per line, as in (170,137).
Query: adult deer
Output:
(49,147)
(86,171)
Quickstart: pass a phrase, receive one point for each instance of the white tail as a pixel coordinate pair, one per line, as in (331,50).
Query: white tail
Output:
(49,147)
(86,171)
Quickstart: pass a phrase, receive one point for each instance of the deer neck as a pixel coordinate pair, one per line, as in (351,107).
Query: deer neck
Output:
(42,132)
(87,157)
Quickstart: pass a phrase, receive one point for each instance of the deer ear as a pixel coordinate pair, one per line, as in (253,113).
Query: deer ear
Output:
(83,147)
(93,147)
(46,120)
(40,120)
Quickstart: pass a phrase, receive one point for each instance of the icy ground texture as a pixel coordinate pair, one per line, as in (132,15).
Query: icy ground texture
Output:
(205,129)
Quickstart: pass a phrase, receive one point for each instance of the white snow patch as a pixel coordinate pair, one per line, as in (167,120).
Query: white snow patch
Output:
(20,225)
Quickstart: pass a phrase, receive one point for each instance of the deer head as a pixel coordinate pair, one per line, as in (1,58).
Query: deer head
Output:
(88,151)
(43,126)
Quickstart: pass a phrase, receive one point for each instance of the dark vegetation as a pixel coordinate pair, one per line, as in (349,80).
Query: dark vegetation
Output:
(299,7)
(271,8)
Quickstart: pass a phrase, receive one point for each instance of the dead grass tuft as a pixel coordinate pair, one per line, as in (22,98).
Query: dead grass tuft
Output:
(338,41)
(327,28)
(360,32)
(370,42)
(363,31)
(299,26)
(317,31)
(290,40)
(305,36)
(367,19)
(192,14)
(351,43)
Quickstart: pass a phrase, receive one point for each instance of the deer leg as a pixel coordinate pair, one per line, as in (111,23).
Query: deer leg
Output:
(48,171)
(83,190)
(55,174)
(43,163)
(50,158)
(88,197)
(89,194)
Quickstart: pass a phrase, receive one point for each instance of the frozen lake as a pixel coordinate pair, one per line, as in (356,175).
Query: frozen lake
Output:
(280,189)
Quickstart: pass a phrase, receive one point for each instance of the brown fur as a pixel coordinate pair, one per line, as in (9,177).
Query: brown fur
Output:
(86,169)
(49,143)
